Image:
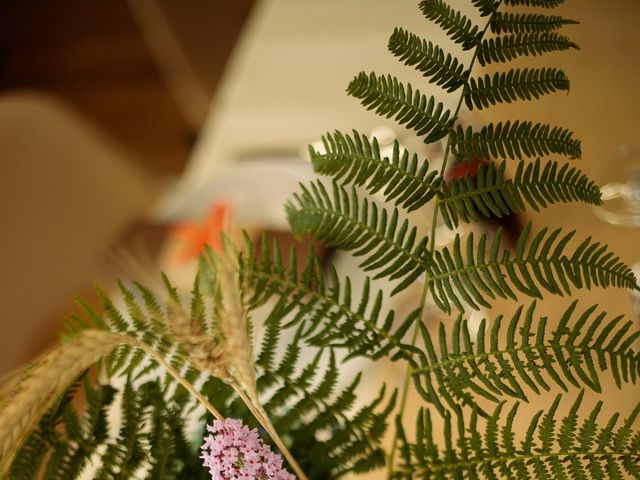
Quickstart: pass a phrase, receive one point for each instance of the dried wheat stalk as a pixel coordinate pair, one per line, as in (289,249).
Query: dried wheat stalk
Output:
(34,394)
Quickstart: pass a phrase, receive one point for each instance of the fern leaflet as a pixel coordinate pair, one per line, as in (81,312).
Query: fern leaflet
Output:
(468,367)
(443,69)
(492,194)
(554,447)
(343,220)
(508,47)
(328,307)
(514,141)
(540,263)
(508,87)
(534,3)
(390,98)
(406,181)
(506,22)
(459,28)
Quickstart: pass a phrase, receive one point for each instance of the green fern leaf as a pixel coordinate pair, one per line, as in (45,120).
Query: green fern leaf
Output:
(403,179)
(513,85)
(488,367)
(391,98)
(343,220)
(534,3)
(549,450)
(459,28)
(332,315)
(473,277)
(443,69)
(304,406)
(514,141)
(486,7)
(491,194)
(508,47)
(148,324)
(506,22)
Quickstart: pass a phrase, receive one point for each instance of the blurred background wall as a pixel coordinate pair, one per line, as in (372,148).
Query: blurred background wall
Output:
(100,104)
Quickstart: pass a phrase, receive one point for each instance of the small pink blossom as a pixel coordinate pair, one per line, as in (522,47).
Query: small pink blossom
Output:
(232,451)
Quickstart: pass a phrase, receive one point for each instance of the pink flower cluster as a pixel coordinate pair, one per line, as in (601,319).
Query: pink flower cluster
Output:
(234,452)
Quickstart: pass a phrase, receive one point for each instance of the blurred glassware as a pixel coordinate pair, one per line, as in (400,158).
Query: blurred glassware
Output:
(620,186)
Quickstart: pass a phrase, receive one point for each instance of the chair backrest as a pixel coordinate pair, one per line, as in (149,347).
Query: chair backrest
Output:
(65,192)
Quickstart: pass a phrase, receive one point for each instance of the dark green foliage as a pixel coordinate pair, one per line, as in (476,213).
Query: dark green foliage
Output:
(390,98)
(508,47)
(540,263)
(312,311)
(127,453)
(343,220)
(443,69)
(492,194)
(305,408)
(534,3)
(462,367)
(458,27)
(50,438)
(554,446)
(402,178)
(332,315)
(486,7)
(506,22)
(67,438)
(514,140)
(513,85)
(146,321)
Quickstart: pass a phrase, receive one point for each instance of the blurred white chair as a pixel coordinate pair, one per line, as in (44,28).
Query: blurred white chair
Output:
(66,192)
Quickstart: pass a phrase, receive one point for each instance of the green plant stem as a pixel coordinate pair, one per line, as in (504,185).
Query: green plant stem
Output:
(176,375)
(432,243)
(262,417)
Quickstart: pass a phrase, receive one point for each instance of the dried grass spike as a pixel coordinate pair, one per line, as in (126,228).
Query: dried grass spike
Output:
(31,397)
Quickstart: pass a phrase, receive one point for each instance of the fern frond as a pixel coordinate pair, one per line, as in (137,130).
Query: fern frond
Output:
(403,179)
(508,47)
(551,447)
(128,452)
(146,323)
(486,7)
(467,367)
(492,194)
(534,3)
(514,140)
(305,408)
(343,220)
(391,98)
(541,263)
(75,436)
(507,87)
(457,26)
(444,70)
(333,315)
(507,22)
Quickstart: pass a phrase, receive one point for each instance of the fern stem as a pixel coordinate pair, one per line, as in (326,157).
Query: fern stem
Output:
(432,243)
(262,417)
(175,374)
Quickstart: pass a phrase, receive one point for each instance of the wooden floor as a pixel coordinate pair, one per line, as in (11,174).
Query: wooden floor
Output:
(93,55)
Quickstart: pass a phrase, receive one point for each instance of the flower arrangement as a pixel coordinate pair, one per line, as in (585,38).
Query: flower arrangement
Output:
(179,360)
